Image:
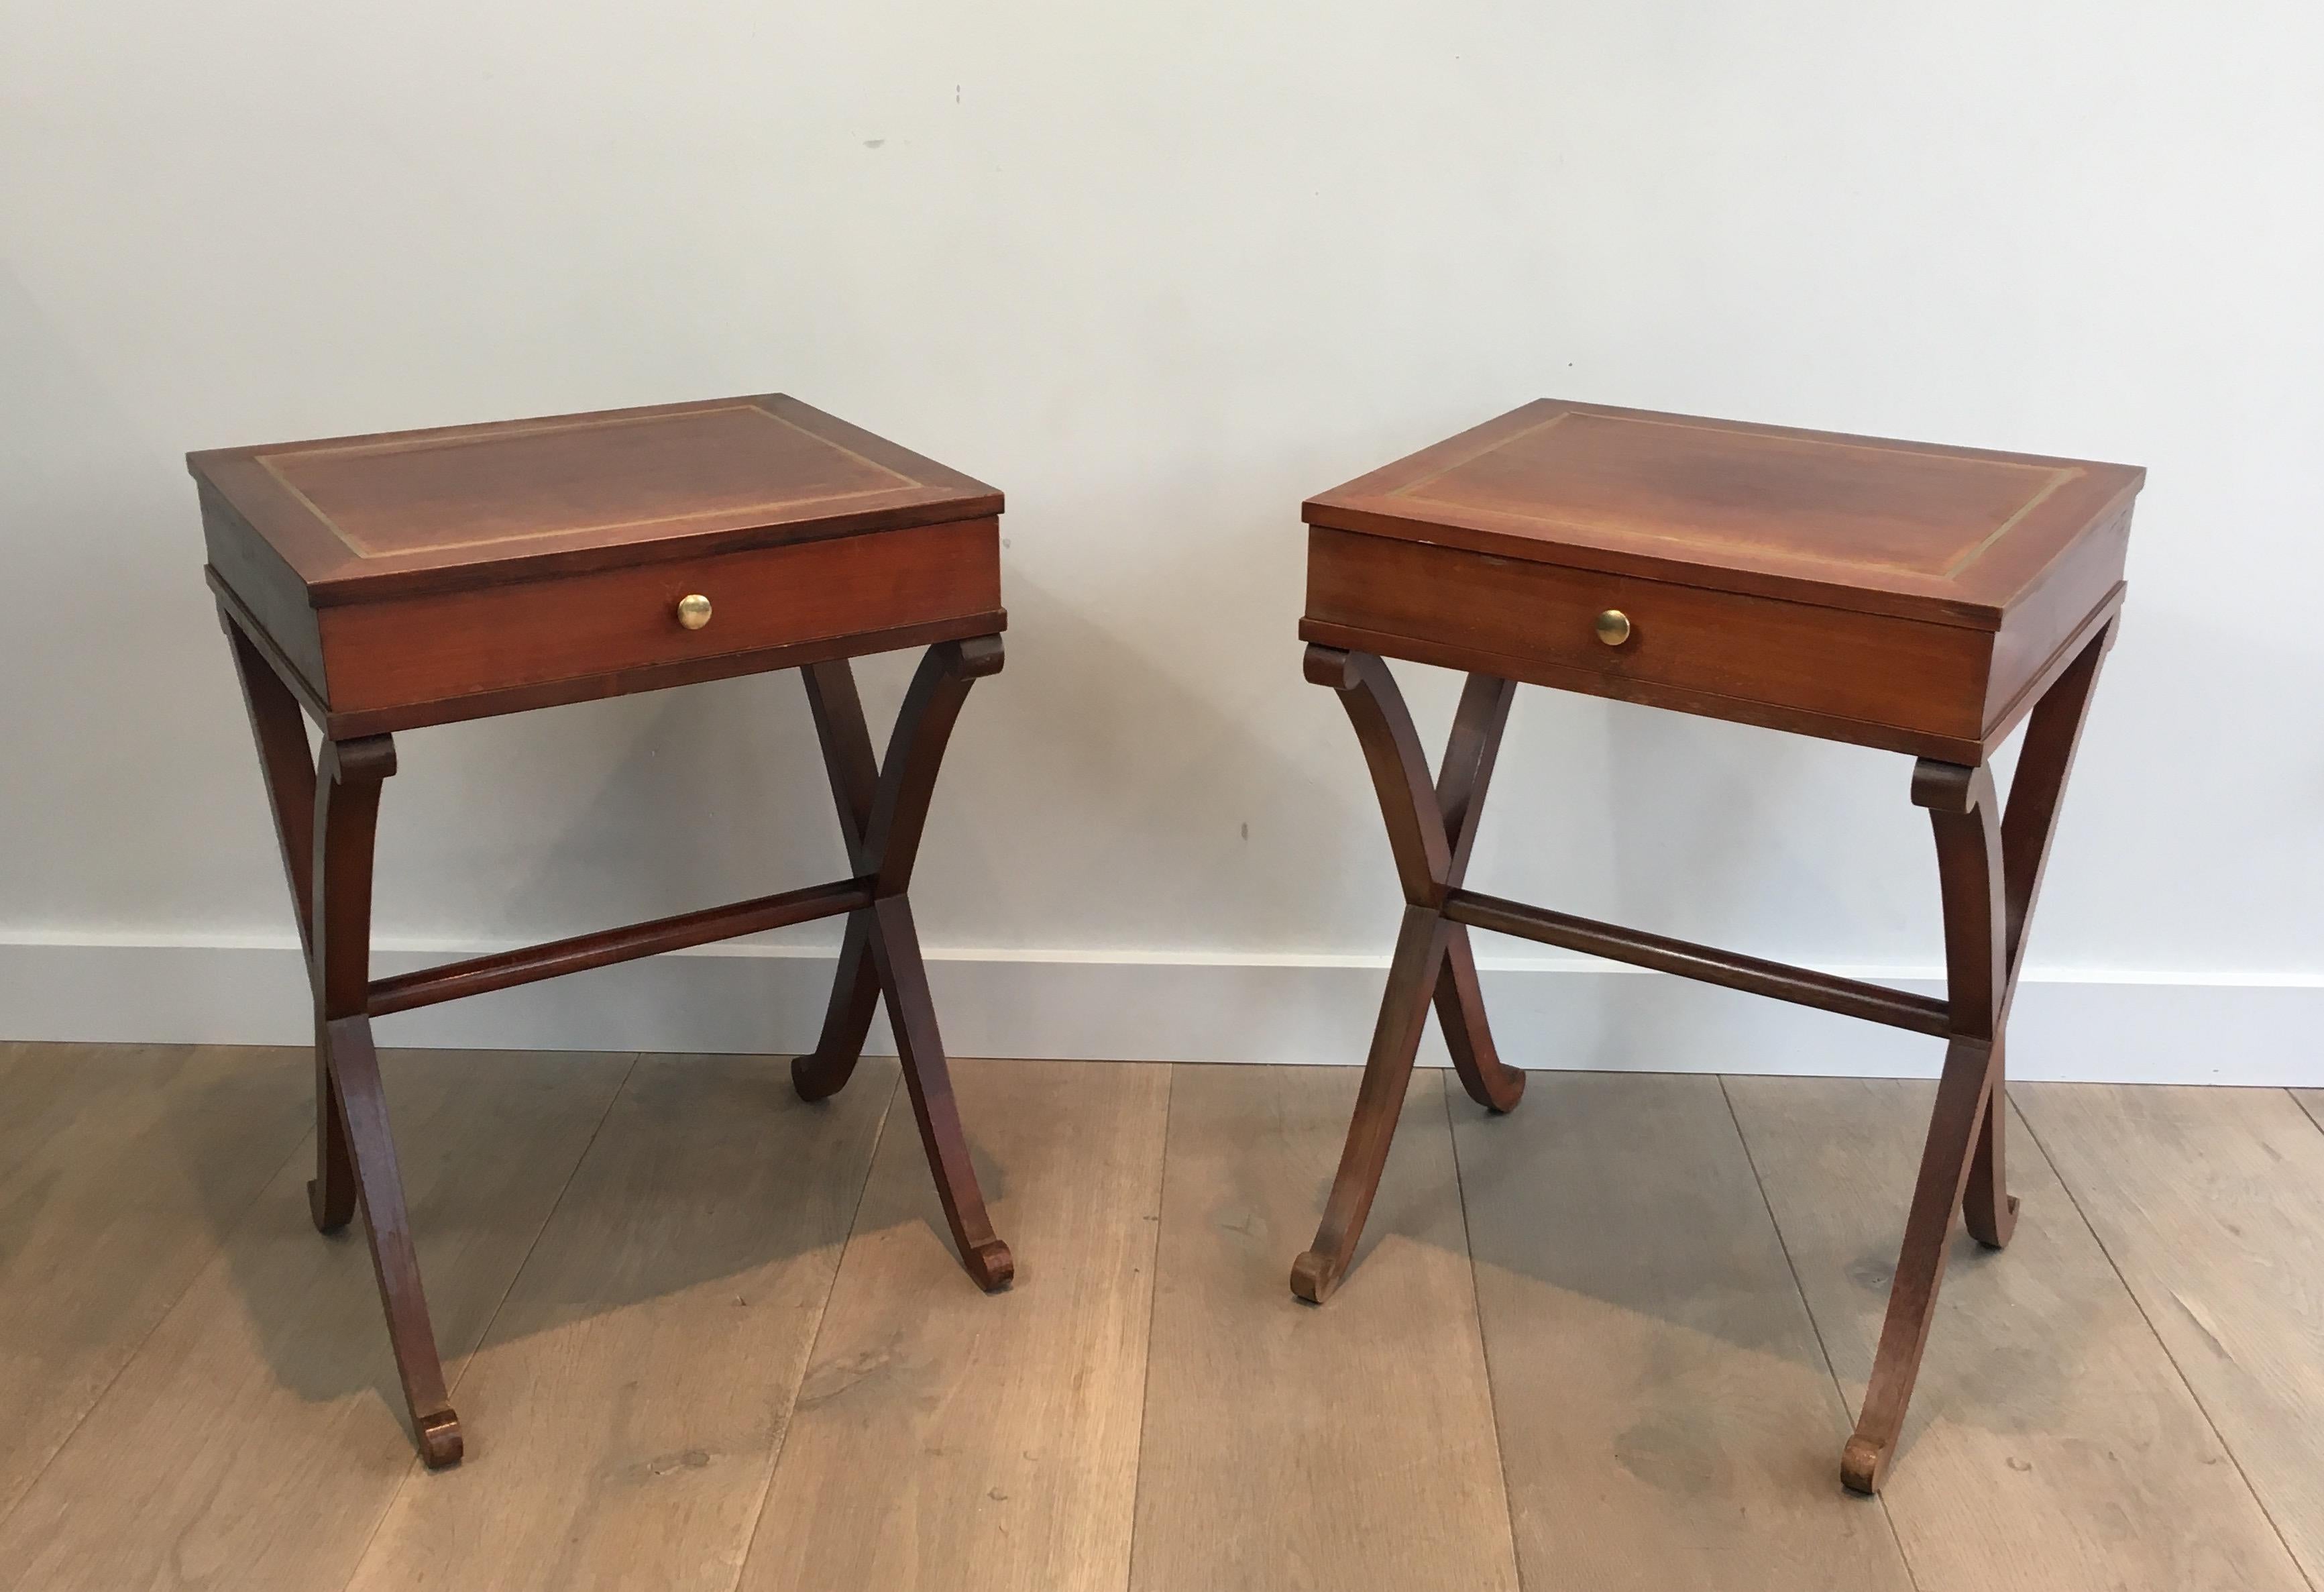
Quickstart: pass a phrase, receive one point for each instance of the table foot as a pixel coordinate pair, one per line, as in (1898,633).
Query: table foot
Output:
(1863,1464)
(819,1077)
(1314,1277)
(1988,1210)
(991,1265)
(440,1444)
(1996,1232)
(331,1192)
(327,1219)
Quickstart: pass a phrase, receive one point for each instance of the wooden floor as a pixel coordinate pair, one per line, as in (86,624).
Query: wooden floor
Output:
(705,1336)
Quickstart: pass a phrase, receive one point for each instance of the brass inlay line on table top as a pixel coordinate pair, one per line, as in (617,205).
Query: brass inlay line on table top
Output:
(2058,476)
(497,433)
(1411,488)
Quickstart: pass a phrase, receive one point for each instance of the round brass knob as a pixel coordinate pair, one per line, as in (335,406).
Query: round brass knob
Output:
(1613,628)
(693,612)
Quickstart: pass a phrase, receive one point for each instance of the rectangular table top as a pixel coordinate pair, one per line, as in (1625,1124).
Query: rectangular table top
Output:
(415,578)
(358,518)
(1956,536)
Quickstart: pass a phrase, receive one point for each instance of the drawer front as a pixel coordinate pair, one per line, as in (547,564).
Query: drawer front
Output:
(441,647)
(1684,641)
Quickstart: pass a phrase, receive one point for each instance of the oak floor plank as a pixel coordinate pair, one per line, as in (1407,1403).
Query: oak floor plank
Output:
(632,1393)
(121,1170)
(945,1438)
(2311,1101)
(1288,1446)
(2210,1202)
(1667,1417)
(2052,1444)
(257,1437)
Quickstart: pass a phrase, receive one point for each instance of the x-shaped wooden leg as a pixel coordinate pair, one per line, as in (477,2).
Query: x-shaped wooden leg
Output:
(326,813)
(1989,868)
(855,772)
(882,809)
(1432,829)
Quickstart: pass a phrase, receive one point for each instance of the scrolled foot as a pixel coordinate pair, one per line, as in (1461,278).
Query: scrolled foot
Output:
(2002,1230)
(815,1079)
(991,1265)
(1504,1089)
(440,1438)
(1863,1464)
(326,1220)
(1314,1277)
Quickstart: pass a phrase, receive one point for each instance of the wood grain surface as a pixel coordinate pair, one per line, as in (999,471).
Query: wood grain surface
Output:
(2053,1444)
(386,656)
(357,518)
(1349,1446)
(1616,1325)
(1667,1416)
(2210,1203)
(948,1439)
(1921,676)
(257,1438)
(1882,526)
(633,1391)
(122,1169)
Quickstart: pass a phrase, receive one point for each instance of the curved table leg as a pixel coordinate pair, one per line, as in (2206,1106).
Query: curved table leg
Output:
(855,772)
(1388,1072)
(1962,1092)
(1431,828)
(1461,781)
(1489,1081)
(287,763)
(1989,864)
(896,949)
(825,1070)
(881,954)
(346,812)
(1988,1210)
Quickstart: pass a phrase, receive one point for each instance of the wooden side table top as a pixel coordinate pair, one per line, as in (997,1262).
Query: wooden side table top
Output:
(417,577)
(1893,594)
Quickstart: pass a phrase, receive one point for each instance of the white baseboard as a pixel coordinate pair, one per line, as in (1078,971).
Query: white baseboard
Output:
(2144,1028)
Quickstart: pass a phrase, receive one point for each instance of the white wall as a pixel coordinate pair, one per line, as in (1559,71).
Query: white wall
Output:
(1160,271)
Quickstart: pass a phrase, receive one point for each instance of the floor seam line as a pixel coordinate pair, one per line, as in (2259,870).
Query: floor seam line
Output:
(1153,1307)
(823,1316)
(1807,1308)
(2304,1111)
(485,1333)
(1484,1350)
(2170,1359)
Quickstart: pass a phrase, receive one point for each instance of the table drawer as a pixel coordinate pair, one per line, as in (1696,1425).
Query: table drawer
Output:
(1687,647)
(381,656)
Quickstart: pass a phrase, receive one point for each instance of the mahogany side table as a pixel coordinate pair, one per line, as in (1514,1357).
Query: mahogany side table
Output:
(389,582)
(1919,600)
